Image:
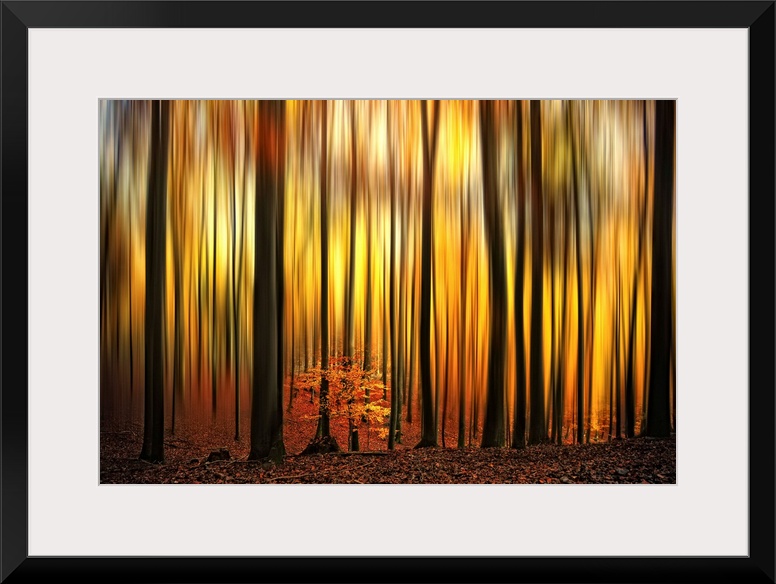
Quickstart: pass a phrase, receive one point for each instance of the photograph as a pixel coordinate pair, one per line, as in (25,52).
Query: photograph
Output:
(367,292)
(387,291)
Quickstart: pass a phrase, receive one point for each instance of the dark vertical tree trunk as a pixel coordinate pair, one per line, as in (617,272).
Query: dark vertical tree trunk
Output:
(518,432)
(237,298)
(437,350)
(428,438)
(395,411)
(156,223)
(493,431)
(386,350)
(617,357)
(266,408)
(323,440)
(658,407)
(401,341)
(348,348)
(367,362)
(294,286)
(177,392)
(446,382)
(413,344)
(537,432)
(279,172)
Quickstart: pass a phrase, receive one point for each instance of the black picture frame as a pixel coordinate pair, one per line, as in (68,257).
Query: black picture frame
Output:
(18,16)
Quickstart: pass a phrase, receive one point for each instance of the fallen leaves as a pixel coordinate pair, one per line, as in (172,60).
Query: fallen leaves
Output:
(635,461)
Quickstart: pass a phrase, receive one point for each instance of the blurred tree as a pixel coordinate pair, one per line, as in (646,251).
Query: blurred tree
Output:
(156,237)
(266,407)
(428,436)
(537,432)
(658,407)
(493,431)
(323,440)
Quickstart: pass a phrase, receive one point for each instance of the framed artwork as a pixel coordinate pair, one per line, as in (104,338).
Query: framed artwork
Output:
(232,228)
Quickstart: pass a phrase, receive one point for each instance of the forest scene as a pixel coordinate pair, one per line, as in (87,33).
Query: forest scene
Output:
(387,291)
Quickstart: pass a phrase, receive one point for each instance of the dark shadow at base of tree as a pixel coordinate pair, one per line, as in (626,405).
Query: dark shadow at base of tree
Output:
(426,443)
(150,458)
(276,454)
(322,445)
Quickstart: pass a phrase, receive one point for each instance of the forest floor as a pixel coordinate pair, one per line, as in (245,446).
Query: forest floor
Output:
(633,461)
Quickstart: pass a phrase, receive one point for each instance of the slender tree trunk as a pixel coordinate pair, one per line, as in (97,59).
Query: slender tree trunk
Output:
(553,384)
(562,365)
(465,214)
(437,351)
(630,382)
(153,436)
(428,438)
(178,357)
(395,388)
(367,363)
(237,300)
(594,249)
(294,285)
(401,341)
(413,343)
(618,387)
(348,348)
(368,297)
(280,278)
(537,433)
(446,383)
(386,350)
(580,304)
(519,422)
(324,441)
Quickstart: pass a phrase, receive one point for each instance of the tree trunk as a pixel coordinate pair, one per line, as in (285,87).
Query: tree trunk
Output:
(348,348)
(266,408)
(493,431)
(580,434)
(279,171)
(428,438)
(156,223)
(658,408)
(237,299)
(518,432)
(630,382)
(462,322)
(323,440)
(561,379)
(395,413)
(537,432)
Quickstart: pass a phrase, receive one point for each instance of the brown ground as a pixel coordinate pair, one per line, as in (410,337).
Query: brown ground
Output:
(639,460)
